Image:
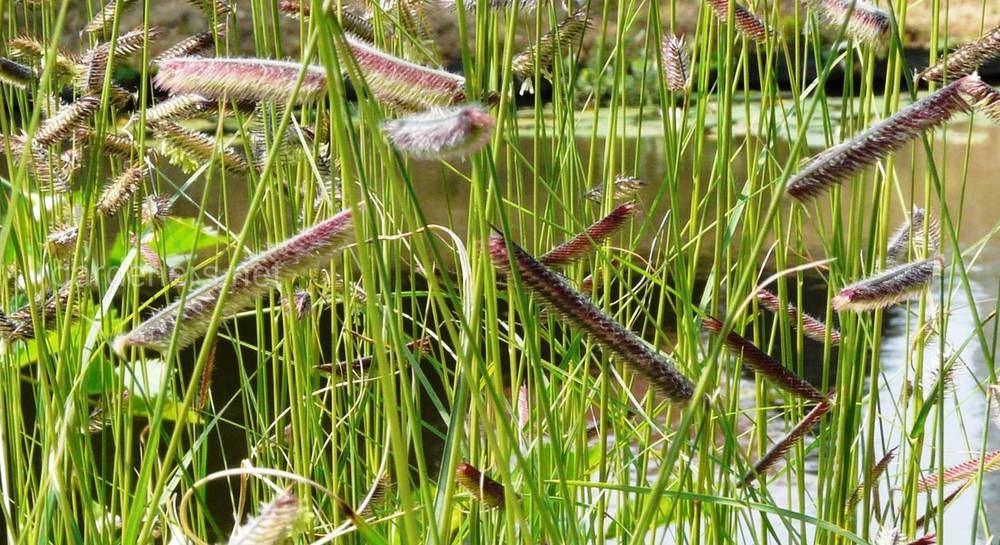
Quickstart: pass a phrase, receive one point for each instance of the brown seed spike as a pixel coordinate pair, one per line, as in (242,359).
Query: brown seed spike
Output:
(15,74)
(746,22)
(60,126)
(765,365)
(873,476)
(586,242)
(675,63)
(653,367)
(812,328)
(194,45)
(961,472)
(966,59)
(120,190)
(781,447)
(891,287)
(483,488)
(911,234)
(845,160)
(552,44)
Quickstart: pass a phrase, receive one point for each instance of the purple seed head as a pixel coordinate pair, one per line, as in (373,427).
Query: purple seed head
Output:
(966,59)
(441,134)
(961,473)
(575,308)
(403,85)
(483,488)
(240,79)
(800,430)
(675,63)
(812,328)
(896,285)
(587,242)
(763,364)
(864,150)
(253,278)
(746,22)
(864,22)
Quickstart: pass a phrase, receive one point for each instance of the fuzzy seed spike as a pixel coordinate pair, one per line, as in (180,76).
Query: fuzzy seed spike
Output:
(176,108)
(105,16)
(551,45)
(92,68)
(653,367)
(442,134)
(187,143)
(585,243)
(911,234)
(896,285)
(961,472)
(15,74)
(746,22)
(241,79)
(300,254)
(403,85)
(983,98)
(676,72)
(781,447)
(272,526)
(966,59)
(489,492)
(58,127)
(193,45)
(864,22)
(873,476)
(763,364)
(864,150)
(49,308)
(121,190)
(812,328)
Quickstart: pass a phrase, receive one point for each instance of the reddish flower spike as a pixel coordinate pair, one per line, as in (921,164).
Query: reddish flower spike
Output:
(655,368)
(240,79)
(763,364)
(583,244)
(441,134)
(812,328)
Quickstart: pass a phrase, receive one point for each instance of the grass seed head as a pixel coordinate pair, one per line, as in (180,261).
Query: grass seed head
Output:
(860,19)
(441,134)
(912,235)
(771,458)
(60,126)
(240,79)
(489,492)
(193,45)
(965,60)
(301,254)
(120,191)
(763,364)
(654,367)
(812,328)
(272,526)
(676,71)
(896,285)
(402,85)
(585,243)
(746,22)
